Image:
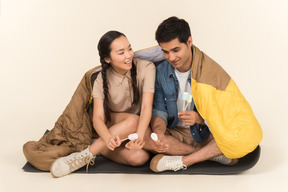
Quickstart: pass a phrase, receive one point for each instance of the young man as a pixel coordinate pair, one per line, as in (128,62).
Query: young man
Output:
(217,106)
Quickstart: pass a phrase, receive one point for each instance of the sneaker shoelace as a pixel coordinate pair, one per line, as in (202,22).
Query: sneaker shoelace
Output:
(91,162)
(175,165)
(80,161)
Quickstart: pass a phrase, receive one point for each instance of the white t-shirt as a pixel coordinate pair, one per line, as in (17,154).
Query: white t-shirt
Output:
(184,86)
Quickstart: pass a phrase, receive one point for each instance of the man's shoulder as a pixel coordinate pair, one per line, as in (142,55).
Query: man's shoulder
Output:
(164,67)
(163,64)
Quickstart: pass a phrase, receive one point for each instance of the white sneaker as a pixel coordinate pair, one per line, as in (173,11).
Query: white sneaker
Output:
(66,165)
(161,163)
(224,160)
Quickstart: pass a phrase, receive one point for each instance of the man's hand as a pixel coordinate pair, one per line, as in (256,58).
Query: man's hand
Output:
(160,146)
(158,126)
(189,118)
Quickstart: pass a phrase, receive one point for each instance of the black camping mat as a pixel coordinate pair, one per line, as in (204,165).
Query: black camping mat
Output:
(104,165)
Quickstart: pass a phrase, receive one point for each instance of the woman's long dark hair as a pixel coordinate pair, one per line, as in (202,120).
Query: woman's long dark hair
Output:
(104,49)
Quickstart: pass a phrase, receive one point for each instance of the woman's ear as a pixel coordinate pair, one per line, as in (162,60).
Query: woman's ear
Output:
(107,60)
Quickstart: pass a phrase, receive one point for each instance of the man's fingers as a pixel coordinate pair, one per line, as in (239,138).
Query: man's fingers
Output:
(161,148)
(184,113)
(185,117)
(159,143)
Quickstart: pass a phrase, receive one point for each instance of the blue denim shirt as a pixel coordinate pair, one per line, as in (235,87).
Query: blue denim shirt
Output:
(165,100)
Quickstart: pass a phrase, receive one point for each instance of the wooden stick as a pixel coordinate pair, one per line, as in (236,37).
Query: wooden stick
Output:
(184,108)
(123,139)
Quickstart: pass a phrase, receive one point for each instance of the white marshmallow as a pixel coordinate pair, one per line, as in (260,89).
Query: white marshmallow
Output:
(154,136)
(133,136)
(185,96)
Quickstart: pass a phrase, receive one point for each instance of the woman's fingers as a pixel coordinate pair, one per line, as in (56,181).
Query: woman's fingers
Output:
(113,142)
(117,141)
(135,144)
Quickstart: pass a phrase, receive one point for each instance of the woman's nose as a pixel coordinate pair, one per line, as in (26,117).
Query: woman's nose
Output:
(128,55)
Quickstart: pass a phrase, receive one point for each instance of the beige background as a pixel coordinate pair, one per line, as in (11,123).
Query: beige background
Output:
(47,45)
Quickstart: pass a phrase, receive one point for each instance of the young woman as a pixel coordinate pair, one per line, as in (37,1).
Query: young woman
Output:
(123,97)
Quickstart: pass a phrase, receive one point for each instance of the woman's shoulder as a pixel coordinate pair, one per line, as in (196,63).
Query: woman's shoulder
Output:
(143,64)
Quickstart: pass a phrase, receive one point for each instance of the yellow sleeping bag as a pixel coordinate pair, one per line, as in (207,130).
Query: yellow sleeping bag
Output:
(220,102)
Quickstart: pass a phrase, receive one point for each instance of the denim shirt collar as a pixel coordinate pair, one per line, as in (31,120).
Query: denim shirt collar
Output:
(171,73)
(171,69)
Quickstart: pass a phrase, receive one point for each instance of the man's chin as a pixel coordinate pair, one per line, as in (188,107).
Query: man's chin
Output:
(175,65)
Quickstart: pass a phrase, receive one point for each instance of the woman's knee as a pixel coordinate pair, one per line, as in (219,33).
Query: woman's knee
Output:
(132,121)
(138,158)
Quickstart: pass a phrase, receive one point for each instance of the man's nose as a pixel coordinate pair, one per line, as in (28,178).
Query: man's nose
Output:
(171,57)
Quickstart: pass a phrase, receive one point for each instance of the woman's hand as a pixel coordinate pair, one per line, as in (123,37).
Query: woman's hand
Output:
(135,144)
(113,142)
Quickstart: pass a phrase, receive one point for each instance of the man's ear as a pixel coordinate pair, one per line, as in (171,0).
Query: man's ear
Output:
(190,41)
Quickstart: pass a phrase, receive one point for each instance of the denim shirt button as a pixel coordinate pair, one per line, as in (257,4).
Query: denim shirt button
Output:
(165,98)
(200,129)
(193,133)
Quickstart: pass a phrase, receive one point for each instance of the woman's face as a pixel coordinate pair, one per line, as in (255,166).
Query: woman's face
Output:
(121,55)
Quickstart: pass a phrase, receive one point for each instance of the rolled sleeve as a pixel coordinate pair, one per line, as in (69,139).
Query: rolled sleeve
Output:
(162,114)
(159,104)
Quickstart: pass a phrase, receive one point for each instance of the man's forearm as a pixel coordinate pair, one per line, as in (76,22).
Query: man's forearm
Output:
(158,125)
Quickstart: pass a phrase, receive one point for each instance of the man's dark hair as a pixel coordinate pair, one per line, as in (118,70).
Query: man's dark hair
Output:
(173,28)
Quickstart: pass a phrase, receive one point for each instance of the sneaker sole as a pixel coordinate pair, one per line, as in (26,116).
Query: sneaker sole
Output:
(233,162)
(154,163)
(51,171)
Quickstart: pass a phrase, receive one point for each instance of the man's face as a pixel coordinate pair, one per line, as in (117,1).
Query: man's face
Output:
(178,54)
